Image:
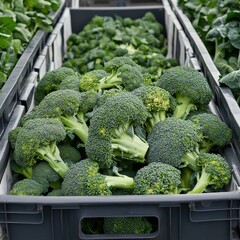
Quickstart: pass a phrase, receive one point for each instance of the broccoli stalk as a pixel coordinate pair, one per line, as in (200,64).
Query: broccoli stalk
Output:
(129,146)
(184,106)
(189,160)
(77,125)
(51,154)
(120,181)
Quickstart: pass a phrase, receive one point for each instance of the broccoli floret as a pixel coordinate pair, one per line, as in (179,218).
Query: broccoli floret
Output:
(216,134)
(188,86)
(127,225)
(55,193)
(175,142)
(70,82)
(215,172)
(25,171)
(45,175)
(106,95)
(157,102)
(12,136)
(69,154)
(187,176)
(157,178)
(121,72)
(69,107)
(27,187)
(111,132)
(84,179)
(37,140)
(51,81)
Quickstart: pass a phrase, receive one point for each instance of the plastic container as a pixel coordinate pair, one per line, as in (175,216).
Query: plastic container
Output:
(193,216)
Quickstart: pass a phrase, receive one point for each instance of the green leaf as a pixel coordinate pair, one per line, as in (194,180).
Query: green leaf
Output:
(232,80)
(7,23)
(234,37)
(3,79)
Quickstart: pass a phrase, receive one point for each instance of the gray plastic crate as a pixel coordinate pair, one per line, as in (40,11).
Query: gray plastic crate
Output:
(179,217)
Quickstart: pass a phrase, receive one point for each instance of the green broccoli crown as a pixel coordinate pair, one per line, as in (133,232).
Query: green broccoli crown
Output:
(111,133)
(215,172)
(37,140)
(90,80)
(126,225)
(69,154)
(12,136)
(44,174)
(172,141)
(73,182)
(117,62)
(51,81)
(215,132)
(27,187)
(70,82)
(154,98)
(157,178)
(188,86)
(106,95)
(84,179)
(69,107)
(55,193)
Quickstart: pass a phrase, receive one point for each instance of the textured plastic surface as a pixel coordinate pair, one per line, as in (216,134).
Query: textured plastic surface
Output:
(180,217)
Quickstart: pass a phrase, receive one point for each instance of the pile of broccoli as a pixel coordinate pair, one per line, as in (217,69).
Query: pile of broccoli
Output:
(110,132)
(104,38)
(121,136)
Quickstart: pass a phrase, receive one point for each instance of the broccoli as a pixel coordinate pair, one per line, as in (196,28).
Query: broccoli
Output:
(187,176)
(27,187)
(51,81)
(69,107)
(127,225)
(55,193)
(111,131)
(84,179)
(69,154)
(215,172)
(175,142)
(107,94)
(70,82)
(12,136)
(188,86)
(45,175)
(157,178)
(37,140)
(157,102)
(25,171)
(122,73)
(216,134)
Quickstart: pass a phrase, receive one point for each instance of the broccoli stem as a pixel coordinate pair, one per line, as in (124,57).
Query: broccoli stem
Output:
(51,154)
(202,183)
(77,125)
(108,82)
(130,146)
(154,119)
(189,160)
(122,182)
(184,107)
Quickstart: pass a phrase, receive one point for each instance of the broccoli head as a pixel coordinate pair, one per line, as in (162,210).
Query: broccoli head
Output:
(111,131)
(120,72)
(50,82)
(157,102)
(27,187)
(45,175)
(157,178)
(25,171)
(69,154)
(215,172)
(216,134)
(69,107)
(37,140)
(188,86)
(175,142)
(127,225)
(84,179)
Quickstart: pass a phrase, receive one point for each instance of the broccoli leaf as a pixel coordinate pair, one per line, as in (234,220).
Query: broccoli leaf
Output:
(232,80)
